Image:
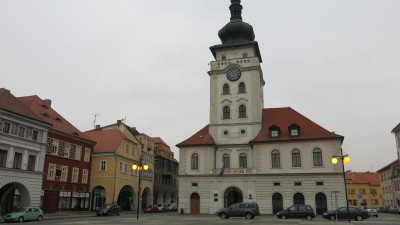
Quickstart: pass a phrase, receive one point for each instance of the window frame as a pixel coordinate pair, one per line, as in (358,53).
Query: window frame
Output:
(242,88)
(194,161)
(85,176)
(225,89)
(31,162)
(17,161)
(317,157)
(242,111)
(243,160)
(226,112)
(296,158)
(275,159)
(75,175)
(86,156)
(51,171)
(226,160)
(103,165)
(64,174)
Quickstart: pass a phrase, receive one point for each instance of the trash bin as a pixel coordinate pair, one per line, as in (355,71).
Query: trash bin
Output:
(182,210)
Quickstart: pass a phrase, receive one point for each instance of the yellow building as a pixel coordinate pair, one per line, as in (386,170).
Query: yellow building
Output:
(112,178)
(363,189)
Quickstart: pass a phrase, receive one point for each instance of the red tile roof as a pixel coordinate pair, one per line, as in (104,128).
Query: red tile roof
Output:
(12,104)
(45,112)
(280,117)
(283,118)
(371,178)
(202,137)
(107,140)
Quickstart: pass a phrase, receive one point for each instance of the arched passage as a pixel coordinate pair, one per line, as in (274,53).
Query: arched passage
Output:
(298,198)
(125,198)
(321,204)
(98,199)
(146,198)
(277,203)
(232,195)
(13,195)
(194,203)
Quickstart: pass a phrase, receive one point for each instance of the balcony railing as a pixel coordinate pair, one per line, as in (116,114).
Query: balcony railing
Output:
(234,171)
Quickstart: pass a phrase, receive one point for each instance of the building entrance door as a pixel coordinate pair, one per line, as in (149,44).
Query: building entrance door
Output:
(232,195)
(195,203)
(321,204)
(277,203)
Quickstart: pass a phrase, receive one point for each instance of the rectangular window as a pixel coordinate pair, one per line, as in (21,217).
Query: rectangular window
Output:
(35,135)
(64,173)
(87,155)
(54,148)
(120,167)
(75,175)
(78,152)
(67,150)
(297,183)
(31,162)
(374,201)
(294,132)
(320,183)
(21,131)
(3,158)
(351,191)
(85,174)
(14,129)
(51,173)
(103,165)
(274,133)
(362,191)
(245,55)
(126,168)
(277,183)
(17,160)
(373,191)
(6,127)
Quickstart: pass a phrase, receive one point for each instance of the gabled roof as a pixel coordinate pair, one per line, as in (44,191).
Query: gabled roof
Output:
(202,137)
(284,118)
(107,140)
(42,108)
(11,103)
(273,118)
(371,178)
(158,140)
(395,162)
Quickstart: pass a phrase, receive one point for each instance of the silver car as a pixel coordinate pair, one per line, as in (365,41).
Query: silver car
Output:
(372,211)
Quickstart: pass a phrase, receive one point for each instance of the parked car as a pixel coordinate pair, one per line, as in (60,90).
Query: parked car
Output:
(24,213)
(394,209)
(342,213)
(372,211)
(245,209)
(109,210)
(297,211)
(382,209)
(172,207)
(150,209)
(162,207)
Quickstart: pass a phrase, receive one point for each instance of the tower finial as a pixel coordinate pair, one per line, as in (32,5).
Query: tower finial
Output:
(236,10)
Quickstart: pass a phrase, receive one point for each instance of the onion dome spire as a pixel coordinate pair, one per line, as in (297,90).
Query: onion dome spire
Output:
(236,30)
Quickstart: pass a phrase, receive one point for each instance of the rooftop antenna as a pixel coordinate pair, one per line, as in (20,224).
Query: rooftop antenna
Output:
(95,117)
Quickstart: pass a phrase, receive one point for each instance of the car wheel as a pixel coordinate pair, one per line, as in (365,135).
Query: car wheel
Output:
(283,217)
(358,218)
(309,218)
(20,219)
(39,218)
(332,217)
(223,216)
(249,216)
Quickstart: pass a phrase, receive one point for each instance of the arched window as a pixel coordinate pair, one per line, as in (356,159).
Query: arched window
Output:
(226,160)
(298,198)
(276,159)
(242,111)
(296,160)
(317,157)
(195,161)
(227,112)
(225,89)
(243,160)
(242,88)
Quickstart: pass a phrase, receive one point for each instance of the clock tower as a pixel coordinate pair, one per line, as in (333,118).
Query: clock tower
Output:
(236,83)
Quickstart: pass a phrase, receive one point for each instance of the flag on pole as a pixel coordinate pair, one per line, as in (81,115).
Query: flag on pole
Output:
(221,172)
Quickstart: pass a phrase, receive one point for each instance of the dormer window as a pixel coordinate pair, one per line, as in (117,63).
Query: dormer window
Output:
(294,130)
(274,131)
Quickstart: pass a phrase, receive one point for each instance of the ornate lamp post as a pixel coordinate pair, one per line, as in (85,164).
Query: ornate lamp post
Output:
(345,160)
(140,167)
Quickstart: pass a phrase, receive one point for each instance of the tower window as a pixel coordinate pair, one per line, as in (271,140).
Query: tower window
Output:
(225,89)
(223,57)
(226,112)
(226,160)
(243,160)
(242,111)
(242,88)
(245,55)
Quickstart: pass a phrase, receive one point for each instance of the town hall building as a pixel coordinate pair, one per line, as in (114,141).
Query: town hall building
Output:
(276,157)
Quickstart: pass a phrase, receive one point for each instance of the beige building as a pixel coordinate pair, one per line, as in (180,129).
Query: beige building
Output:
(386,175)
(273,156)
(112,178)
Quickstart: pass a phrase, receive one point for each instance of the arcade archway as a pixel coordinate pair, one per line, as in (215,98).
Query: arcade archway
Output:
(232,195)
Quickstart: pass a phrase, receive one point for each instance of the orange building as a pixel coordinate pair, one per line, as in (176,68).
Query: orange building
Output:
(363,188)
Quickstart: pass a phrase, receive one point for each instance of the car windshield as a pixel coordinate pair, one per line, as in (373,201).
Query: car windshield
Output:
(21,209)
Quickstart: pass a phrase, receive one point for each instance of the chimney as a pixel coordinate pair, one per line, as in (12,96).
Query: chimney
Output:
(97,127)
(119,122)
(47,102)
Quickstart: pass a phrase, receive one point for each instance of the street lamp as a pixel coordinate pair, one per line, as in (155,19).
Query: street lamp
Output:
(140,167)
(345,160)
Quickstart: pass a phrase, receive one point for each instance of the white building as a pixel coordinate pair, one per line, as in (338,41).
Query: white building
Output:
(396,171)
(273,156)
(22,149)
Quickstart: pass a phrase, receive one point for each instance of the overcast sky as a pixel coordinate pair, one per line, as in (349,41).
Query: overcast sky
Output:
(337,62)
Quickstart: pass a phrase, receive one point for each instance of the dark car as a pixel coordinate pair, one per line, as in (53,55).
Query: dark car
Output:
(245,209)
(150,209)
(297,211)
(109,210)
(341,213)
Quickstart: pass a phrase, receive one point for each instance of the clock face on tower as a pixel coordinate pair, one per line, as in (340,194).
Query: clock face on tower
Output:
(233,74)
